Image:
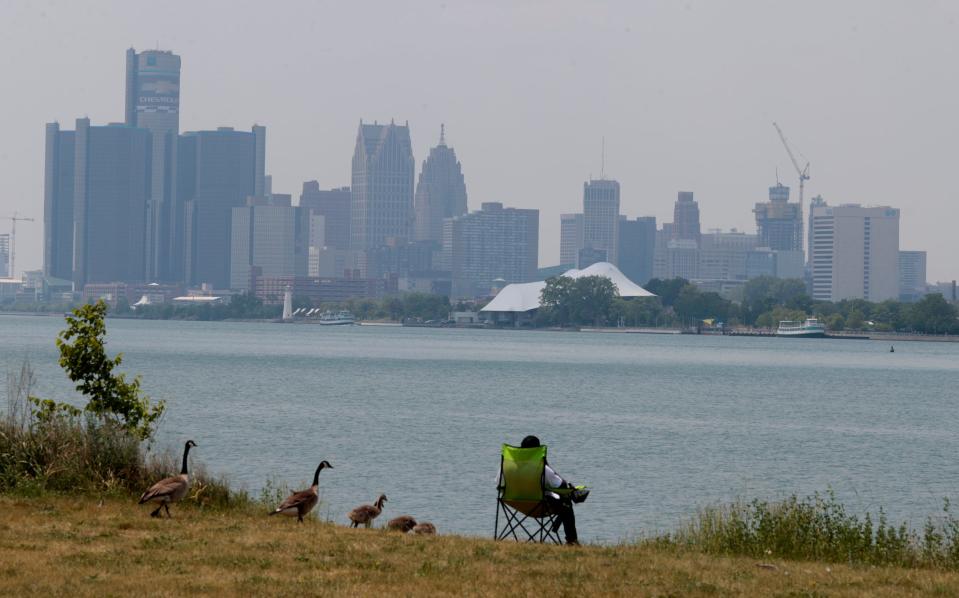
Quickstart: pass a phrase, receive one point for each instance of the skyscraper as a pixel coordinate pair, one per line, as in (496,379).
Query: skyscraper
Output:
(5,256)
(779,222)
(218,170)
(153,103)
(601,216)
(382,203)
(494,242)
(440,192)
(570,239)
(58,203)
(686,217)
(269,238)
(637,247)
(112,188)
(334,206)
(854,253)
(912,275)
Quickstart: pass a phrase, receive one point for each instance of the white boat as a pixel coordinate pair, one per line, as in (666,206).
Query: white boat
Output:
(811,328)
(337,318)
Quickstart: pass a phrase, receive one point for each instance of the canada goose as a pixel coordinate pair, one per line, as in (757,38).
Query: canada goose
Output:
(170,489)
(426,528)
(365,514)
(403,523)
(302,502)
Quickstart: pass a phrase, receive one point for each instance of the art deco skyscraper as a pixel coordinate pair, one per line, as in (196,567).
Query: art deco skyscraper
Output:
(440,192)
(382,202)
(153,103)
(601,216)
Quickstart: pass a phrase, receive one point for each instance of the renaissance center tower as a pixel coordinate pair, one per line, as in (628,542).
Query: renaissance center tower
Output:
(153,103)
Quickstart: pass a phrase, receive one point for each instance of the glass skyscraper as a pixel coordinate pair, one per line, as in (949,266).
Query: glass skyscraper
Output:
(112,188)
(153,103)
(219,170)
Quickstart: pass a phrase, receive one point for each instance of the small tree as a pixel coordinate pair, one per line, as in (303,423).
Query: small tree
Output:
(110,395)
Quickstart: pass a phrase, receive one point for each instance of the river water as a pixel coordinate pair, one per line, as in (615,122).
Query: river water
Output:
(656,425)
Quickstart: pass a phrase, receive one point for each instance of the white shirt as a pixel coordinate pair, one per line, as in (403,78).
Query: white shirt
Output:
(552,480)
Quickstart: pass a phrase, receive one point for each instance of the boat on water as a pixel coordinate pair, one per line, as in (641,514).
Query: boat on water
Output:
(811,328)
(337,318)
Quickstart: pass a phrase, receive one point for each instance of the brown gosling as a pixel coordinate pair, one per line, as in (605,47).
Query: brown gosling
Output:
(365,514)
(426,529)
(171,489)
(403,523)
(302,502)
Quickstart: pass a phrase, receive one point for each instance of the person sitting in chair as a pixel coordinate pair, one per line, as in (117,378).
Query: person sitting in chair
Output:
(562,506)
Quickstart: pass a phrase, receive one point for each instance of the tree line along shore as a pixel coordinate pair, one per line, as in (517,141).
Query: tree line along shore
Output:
(592,301)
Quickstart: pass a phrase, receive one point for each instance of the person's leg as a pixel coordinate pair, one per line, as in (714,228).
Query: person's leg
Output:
(564,510)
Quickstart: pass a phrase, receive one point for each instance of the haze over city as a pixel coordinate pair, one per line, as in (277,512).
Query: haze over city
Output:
(684,94)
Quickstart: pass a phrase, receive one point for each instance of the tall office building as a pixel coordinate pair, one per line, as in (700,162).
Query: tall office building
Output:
(58,203)
(494,242)
(601,217)
(722,256)
(912,275)
(854,253)
(686,217)
(440,192)
(382,204)
(111,193)
(269,239)
(217,171)
(570,238)
(334,206)
(5,256)
(779,222)
(637,248)
(153,103)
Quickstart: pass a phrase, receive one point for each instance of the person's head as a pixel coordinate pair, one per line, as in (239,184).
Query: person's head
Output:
(530,442)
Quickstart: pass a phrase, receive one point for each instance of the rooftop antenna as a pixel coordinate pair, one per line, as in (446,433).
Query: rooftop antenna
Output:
(442,134)
(602,161)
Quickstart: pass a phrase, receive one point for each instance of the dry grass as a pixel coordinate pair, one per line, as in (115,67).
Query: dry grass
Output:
(59,546)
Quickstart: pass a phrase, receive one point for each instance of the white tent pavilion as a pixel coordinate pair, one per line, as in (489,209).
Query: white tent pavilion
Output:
(524,298)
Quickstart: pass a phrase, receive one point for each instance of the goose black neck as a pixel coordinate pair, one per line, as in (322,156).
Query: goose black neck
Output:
(316,476)
(186,451)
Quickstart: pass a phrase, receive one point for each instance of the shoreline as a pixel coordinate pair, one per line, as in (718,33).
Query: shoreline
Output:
(845,335)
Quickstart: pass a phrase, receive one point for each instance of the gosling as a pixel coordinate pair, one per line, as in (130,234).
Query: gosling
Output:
(365,514)
(403,523)
(424,529)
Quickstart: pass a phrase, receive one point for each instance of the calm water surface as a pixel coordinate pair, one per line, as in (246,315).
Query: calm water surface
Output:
(656,425)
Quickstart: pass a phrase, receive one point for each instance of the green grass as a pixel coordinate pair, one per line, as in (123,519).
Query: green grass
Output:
(819,528)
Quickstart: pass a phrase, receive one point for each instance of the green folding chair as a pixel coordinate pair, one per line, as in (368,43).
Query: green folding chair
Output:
(521,500)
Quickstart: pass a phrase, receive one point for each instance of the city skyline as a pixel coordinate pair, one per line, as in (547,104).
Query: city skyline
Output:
(834,139)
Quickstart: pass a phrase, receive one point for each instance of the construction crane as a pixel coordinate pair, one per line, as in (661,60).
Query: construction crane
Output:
(13,239)
(802,172)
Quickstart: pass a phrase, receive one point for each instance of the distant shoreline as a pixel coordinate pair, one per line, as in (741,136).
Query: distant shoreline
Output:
(853,335)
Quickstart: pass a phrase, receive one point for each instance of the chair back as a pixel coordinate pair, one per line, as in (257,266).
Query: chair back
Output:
(521,474)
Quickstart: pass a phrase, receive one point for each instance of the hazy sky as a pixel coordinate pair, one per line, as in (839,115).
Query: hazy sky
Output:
(684,92)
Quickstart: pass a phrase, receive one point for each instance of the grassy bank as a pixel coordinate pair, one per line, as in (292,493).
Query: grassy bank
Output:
(84,547)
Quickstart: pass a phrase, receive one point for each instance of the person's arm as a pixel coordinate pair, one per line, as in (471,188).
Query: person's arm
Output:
(554,481)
